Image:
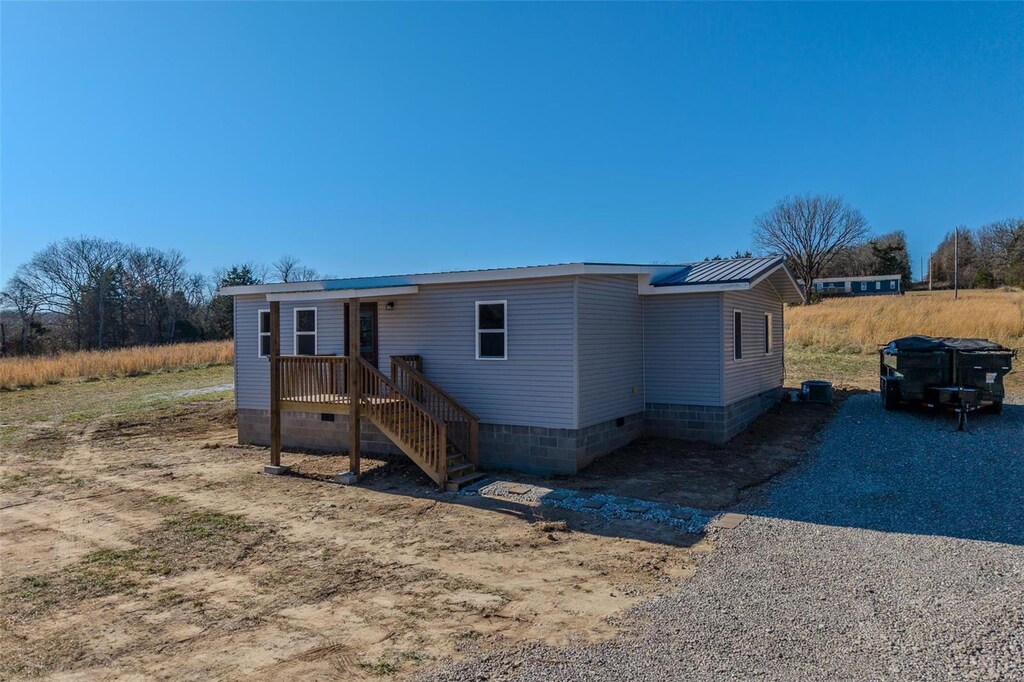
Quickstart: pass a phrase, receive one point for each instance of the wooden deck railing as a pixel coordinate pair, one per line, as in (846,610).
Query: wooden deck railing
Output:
(313,378)
(463,426)
(404,420)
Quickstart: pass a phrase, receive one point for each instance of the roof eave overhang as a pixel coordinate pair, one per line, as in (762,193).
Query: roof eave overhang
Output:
(278,288)
(782,281)
(343,294)
(470,276)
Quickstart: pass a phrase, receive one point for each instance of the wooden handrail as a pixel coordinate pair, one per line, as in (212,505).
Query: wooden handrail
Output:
(405,420)
(312,378)
(463,425)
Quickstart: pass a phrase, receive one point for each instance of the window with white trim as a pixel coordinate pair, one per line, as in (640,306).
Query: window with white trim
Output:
(892,285)
(737,335)
(767,333)
(264,331)
(305,331)
(863,286)
(491,330)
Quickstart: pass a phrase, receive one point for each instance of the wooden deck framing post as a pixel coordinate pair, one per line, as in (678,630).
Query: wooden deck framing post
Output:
(275,391)
(355,389)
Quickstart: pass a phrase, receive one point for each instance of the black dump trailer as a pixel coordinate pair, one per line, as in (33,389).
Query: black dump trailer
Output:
(962,374)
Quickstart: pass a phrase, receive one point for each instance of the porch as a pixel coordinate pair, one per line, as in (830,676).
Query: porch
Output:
(421,419)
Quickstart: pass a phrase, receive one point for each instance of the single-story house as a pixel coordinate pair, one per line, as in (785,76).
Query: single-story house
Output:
(539,369)
(872,285)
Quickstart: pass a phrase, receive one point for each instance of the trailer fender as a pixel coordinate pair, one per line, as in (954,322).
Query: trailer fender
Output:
(891,389)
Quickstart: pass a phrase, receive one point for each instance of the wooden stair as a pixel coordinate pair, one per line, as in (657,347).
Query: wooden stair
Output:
(429,426)
(461,472)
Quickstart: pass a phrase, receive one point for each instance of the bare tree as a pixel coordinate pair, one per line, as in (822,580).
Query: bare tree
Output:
(21,297)
(809,231)
(288,269)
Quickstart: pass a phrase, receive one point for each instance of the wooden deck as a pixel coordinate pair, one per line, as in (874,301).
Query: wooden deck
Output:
(427,424)
(338,403)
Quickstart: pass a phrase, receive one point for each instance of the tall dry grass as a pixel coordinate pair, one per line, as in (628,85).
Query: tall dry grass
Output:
(855,325)
(28,372)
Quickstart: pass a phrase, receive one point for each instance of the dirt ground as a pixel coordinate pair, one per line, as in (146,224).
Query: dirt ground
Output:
(138,540)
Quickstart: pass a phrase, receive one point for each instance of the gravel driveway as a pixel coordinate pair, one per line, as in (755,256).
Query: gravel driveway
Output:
(896,552)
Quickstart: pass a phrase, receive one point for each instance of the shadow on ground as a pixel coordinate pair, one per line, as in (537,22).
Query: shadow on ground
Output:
(702,476)
(910,472)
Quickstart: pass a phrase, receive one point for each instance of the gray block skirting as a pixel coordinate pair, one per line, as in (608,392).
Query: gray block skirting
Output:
(307,431)
(532,449)
(543,450)
(707,422)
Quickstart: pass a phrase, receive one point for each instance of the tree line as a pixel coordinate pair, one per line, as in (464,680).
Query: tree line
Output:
(87,293)
(990,256)
(823,236)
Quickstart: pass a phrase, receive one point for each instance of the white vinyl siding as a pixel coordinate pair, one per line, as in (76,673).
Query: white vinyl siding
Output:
(683,347)
(610,353)
(252,373)
(533,387)
(755,371)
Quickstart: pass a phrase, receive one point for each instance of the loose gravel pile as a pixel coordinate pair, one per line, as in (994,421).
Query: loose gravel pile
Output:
(895,552)
(599,504)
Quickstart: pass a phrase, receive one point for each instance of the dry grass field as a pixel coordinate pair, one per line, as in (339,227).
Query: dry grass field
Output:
(837,339)
(39,371)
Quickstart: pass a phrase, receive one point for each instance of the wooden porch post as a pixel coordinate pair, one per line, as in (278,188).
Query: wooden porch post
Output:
(275,391)
(354,387)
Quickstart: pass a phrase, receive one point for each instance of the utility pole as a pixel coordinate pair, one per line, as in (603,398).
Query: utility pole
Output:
(931,256)
(956,263)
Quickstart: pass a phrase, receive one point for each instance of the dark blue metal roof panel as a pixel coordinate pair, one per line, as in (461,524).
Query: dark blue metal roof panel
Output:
(717,272)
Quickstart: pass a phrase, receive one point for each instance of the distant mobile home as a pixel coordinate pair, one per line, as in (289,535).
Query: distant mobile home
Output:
(539,369)
(873,285)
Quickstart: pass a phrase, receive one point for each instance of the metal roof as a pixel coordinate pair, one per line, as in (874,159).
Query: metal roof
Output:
(732,274)
(717,272)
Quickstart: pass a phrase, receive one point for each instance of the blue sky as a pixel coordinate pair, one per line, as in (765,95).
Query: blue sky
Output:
(372,138)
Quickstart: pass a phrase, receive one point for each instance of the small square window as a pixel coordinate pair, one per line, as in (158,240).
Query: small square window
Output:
(305,320)
(305,344)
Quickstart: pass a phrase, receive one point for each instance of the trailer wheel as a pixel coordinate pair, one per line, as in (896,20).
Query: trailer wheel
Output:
(997,406)
(890,394)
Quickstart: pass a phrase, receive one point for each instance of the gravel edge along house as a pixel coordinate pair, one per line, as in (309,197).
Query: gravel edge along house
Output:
(539,369)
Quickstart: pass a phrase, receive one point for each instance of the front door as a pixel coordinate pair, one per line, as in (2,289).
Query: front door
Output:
(367,331)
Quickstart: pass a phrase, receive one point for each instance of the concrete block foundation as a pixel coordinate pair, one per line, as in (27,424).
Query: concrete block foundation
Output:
(531,449)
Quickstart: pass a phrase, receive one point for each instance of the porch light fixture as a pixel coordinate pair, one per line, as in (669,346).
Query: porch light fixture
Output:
(390,305)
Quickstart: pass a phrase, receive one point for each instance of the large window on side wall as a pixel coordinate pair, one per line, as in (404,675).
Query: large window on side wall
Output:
(491,330)
(305,331)
(264,347)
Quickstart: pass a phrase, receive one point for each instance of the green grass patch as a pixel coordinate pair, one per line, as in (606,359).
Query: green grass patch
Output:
(382,667)
(185,541)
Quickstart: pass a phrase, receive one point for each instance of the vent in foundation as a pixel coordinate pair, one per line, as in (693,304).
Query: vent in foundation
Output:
(621,421)
(326,416)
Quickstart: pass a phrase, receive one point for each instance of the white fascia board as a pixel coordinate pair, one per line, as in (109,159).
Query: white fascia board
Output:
(341,294)
(280,287)
(530,272)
